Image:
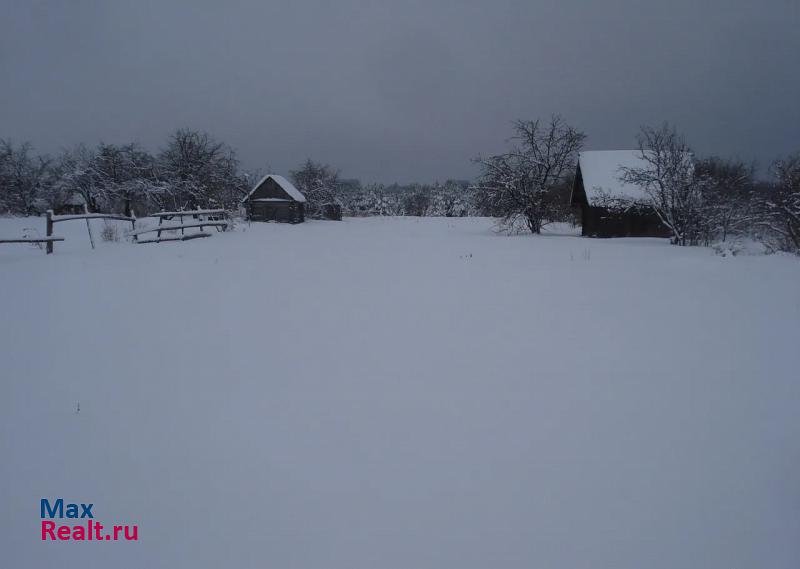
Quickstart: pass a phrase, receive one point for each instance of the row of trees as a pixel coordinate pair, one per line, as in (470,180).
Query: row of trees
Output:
(454,198)
(703,200)
(700,200)
(322,186)
(192,170)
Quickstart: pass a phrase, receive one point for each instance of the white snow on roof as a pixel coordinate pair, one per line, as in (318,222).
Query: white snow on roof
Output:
(287,186)
(601,171)
(75,198)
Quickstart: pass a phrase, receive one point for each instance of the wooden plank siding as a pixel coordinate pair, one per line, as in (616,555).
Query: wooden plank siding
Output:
(270,202)
(601,222)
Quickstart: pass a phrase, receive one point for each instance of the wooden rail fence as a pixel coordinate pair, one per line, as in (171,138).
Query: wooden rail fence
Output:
(215,218)
(52,219)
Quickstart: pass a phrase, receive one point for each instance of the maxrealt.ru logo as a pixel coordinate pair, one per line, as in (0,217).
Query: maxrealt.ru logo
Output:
(90,530)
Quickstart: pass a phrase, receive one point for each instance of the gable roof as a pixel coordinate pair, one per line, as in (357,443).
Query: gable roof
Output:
(285,184)
(75,198)
(601,171)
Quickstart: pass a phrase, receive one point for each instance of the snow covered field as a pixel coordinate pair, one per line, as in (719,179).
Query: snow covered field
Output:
(385,393)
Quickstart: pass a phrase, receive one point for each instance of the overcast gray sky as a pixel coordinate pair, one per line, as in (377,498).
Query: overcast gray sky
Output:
(399,90)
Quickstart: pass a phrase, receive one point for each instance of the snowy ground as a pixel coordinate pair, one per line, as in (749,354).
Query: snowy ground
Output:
(404,393)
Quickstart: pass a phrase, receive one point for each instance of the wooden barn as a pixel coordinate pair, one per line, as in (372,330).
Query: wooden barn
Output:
(610,207)
(275,198)
(74,204)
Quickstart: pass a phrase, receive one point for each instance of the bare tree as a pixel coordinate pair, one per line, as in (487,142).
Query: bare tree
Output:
(76,172)
(198,171)
(126,175)
(517,185)
(781,205)
(667,177)
(726,188)
(193,170)
(22,177)
(139,186)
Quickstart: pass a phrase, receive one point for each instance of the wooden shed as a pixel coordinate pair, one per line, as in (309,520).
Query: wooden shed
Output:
(74,204)
(609,207)
(275,198)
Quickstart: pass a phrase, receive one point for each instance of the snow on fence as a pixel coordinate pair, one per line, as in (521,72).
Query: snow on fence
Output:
(49,240)
(92,216)
(214,218)
(53,219)
(219,225)
(160,239)
(193,212)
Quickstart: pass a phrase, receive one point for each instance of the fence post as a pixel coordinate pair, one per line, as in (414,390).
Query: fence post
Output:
(133,225)
(88,226)
(49,230)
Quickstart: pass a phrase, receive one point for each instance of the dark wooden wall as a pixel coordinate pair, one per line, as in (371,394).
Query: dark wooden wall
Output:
(284,212)
(601,222)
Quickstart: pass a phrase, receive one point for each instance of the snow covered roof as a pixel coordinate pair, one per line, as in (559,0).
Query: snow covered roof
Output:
(287,186)
(601,171)
(75,198)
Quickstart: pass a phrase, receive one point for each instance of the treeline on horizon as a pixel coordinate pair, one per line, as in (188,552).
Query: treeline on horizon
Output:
(195,170)
(701,200)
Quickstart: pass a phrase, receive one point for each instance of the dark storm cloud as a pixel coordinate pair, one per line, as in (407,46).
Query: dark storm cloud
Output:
(399,90)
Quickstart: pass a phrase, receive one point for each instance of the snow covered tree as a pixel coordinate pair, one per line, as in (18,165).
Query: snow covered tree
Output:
(198,171)
(726,189)
(668,179)
(780,207)
(381,202)
(319,184)
(22,178)
(451,199)
(140,188)
(416,201)
(108,178)
(127,177)
(76,171)
(516,186)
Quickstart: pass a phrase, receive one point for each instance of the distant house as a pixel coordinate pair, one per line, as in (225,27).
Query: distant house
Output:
(275,198)
(610,207)
(74,204)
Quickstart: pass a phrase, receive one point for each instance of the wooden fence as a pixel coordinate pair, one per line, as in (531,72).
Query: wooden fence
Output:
(215,218)
(48,240)
(53,219)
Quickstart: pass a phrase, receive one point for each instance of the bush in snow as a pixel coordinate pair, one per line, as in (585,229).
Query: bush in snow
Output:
(110,231)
